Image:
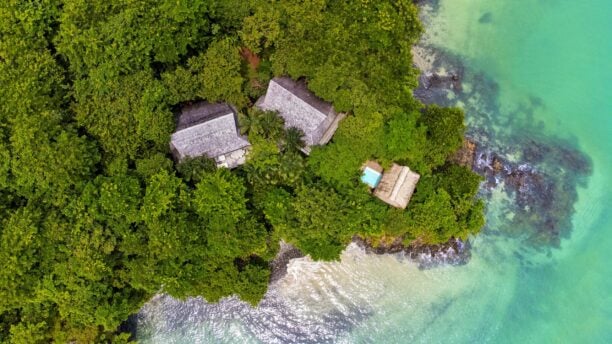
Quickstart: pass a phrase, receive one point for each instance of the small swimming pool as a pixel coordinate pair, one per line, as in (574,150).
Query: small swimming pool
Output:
(371,177)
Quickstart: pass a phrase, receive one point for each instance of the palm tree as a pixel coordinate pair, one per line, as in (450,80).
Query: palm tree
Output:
(294,139)
(249,123)
(265,123)
(271,124)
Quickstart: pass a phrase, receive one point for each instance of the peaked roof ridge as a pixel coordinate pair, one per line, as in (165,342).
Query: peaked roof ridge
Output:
(300,89)
(201,112)
(302,109)
(208,129)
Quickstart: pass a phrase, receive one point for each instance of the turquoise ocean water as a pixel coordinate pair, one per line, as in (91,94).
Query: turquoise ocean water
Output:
(556,53)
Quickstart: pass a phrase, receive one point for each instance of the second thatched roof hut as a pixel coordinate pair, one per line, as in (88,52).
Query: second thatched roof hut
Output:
(397,185)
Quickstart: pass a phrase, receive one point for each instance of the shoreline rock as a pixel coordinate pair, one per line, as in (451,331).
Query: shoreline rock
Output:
(539,173)
(453,252)
(466,155)
(278,265)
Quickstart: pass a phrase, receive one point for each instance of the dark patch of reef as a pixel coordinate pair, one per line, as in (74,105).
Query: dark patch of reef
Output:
(540,174)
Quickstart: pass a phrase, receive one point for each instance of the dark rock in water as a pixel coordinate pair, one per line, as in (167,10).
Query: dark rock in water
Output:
(130,326)
(486,18)
(454,252)
(539,173)
(432,82)
(442,80)
(497,165)
(543,198)
(543,189)
(435,4)
(279,264)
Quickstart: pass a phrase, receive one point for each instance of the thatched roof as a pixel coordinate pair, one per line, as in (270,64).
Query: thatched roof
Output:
(206,129)
(397,185)
(301,109)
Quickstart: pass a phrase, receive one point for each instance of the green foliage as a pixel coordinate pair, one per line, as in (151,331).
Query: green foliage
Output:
(262,29)
(462,185)
(319,220)
(354,52)
(358,139)
(124,36)
(192,170)
(152,164)
(19,247)
(219,198)
(266,166)
(266,124)
(220,201)
(293,140)
(182,84)
(218,71)
(445,130)
(449,190)
(434,217)
(43,147)
(5,163)
(26,333)
(126,114)
(321,228)
(95,218)
(405,141)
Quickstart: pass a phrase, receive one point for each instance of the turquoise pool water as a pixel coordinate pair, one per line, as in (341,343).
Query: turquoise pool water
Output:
(550,63)
(371,177)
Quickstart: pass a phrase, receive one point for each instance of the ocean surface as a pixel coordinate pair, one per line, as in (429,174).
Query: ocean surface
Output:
(536,73)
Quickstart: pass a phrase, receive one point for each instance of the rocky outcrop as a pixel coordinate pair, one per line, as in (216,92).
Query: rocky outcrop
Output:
(278,265)
(543,195)
(466,155)
(454,252)
(539,173)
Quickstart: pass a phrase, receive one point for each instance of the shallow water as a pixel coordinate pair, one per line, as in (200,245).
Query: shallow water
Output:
(550,64)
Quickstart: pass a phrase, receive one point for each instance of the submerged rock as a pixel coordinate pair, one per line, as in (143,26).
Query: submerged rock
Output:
(543,189)
(486,18)
(539,174)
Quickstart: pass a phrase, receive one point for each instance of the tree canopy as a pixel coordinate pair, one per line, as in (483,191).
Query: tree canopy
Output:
(96,217)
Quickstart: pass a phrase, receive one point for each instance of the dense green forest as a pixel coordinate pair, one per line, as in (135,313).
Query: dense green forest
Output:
(95,215)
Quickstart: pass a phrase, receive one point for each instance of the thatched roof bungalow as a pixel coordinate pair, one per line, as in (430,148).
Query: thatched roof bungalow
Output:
(397,185)
(301,109)
(205,129)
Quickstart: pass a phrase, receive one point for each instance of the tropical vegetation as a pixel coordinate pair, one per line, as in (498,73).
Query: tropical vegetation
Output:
(96,217)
